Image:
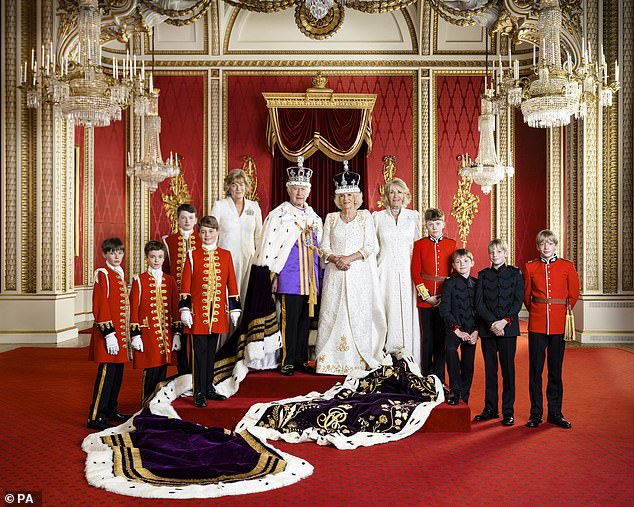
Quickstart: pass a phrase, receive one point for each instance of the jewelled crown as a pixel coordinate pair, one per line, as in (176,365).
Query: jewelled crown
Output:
(347,182)
(299,175)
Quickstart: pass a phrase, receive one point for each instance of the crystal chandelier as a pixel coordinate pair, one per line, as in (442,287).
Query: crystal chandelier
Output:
(487,169)
(78,89)
(555,93)
(149,166)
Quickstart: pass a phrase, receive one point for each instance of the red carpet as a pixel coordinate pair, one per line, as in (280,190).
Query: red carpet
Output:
(46,392)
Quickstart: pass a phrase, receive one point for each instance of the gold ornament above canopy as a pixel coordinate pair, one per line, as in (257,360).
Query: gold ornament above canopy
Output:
(319,97)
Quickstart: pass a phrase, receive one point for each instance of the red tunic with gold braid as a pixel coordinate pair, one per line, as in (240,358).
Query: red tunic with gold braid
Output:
(177,248)
(547,287)
(110,309)
(153,315)
(209,290)
(431,264)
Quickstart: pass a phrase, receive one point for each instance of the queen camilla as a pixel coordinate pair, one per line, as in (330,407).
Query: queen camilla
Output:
(351,332)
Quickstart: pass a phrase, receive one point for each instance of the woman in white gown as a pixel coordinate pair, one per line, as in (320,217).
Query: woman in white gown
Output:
(396,229)
(352,328)
(240,222)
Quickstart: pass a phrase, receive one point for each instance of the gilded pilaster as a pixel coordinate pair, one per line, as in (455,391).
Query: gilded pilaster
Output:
(28,164)
(554,181)
(89,204)
(571,180)
(592,238)
(610,158)
(503,194)
(421,123)
(432,174)
(46,181)
(214,172)
(625,99)
(9,170)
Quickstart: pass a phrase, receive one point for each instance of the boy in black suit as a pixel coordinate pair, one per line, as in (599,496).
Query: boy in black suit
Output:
(457,308)
(498,302)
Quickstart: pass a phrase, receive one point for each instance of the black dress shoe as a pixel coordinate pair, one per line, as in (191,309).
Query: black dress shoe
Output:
(211,394)
(533,422)
(199,400)
(98,424)
(117,417)
(560,421)
(287,370)
(508,420)
(453,399)
(306,368)
(486,415)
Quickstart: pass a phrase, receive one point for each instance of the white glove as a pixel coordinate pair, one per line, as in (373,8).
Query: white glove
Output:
(235,316)
(176,342)
(186,317)
(112,344)
(137,343)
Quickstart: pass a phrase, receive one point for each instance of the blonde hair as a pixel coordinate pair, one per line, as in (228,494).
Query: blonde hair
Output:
(400,184)
(358,200)
(546,235)
(498,243)
(232,176)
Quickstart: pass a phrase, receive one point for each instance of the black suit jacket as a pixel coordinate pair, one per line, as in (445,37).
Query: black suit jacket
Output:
(499,295)
(457,306)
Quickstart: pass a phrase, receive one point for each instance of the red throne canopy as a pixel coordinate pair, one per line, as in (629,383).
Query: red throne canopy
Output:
(325,128)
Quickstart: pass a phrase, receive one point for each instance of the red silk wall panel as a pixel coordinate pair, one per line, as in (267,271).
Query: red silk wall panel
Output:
(530,189)
(182,103)
(110,185)
(391,122)
(79,259)
(458,108)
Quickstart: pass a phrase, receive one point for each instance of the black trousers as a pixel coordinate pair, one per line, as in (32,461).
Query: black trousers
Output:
(151,378)
(538,344)
(433,342)
(295,326)
(460,368)
(106,391)
(182,360)
(503,347)
(203,357)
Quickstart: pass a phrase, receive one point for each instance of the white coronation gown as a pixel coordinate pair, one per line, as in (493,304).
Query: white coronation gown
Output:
(352,328)
(396,242)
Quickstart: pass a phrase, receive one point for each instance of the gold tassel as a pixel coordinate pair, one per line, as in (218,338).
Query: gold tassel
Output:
(569,328)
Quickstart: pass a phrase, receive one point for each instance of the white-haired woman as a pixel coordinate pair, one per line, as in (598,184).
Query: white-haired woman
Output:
(240,225)
(396,229)
(351,331)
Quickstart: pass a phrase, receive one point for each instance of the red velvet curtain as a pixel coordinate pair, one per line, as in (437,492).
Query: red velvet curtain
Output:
(323,189)
(339,127)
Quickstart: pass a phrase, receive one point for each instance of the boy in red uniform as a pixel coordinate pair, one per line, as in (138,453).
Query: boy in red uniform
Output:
(208,292)
(550,284)
(153,318)
(431,264)
(109,342)
(178,244)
